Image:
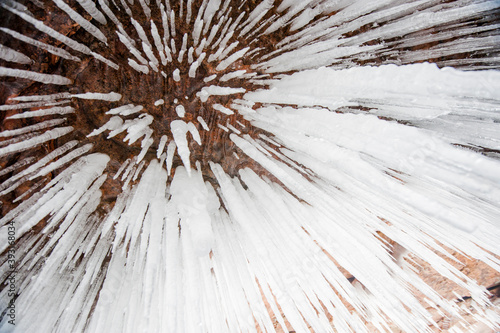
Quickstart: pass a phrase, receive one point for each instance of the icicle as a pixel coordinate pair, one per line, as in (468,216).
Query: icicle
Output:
(27,105)
(201,58)
(194,132)
(232,75)
(193,68)
(206,92)
(90,8)
(172,45)
(149,52)
(41,97)
(172,24)
(110,97)
(32,128)
(140,32)
(129,168)
(63,160)
(176,75)
(224,38)
(190,195)
(198,25)
(36,141)
(17,165)
(170,155)
(13,182)
(200,48)
(138,67)
(212,7)
(179,109)
(232,128)
(168,53)
(164,21)
(159,46)
(11,55)
(92,29)
(113,123)
(131,48)
(210,78)
(146,9)
(256,15)
(236,23)
(203,123)
(227,50)
(183,48)
(43,112)
(210,38)
(145,147)
(49,31)
(222,109)
(126,110)
(222,127)
(105,7)
(105,60)
(138,170)
(34,76)
(190,55)
(161,145)
(122,167)
(189,11)
(232,58)
(179,130)
(49,48)
(137,128)
(130,174)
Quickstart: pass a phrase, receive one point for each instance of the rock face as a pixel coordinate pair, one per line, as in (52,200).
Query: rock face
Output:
(226,166)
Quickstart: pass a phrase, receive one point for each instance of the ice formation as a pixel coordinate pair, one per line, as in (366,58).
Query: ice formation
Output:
(249,166)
